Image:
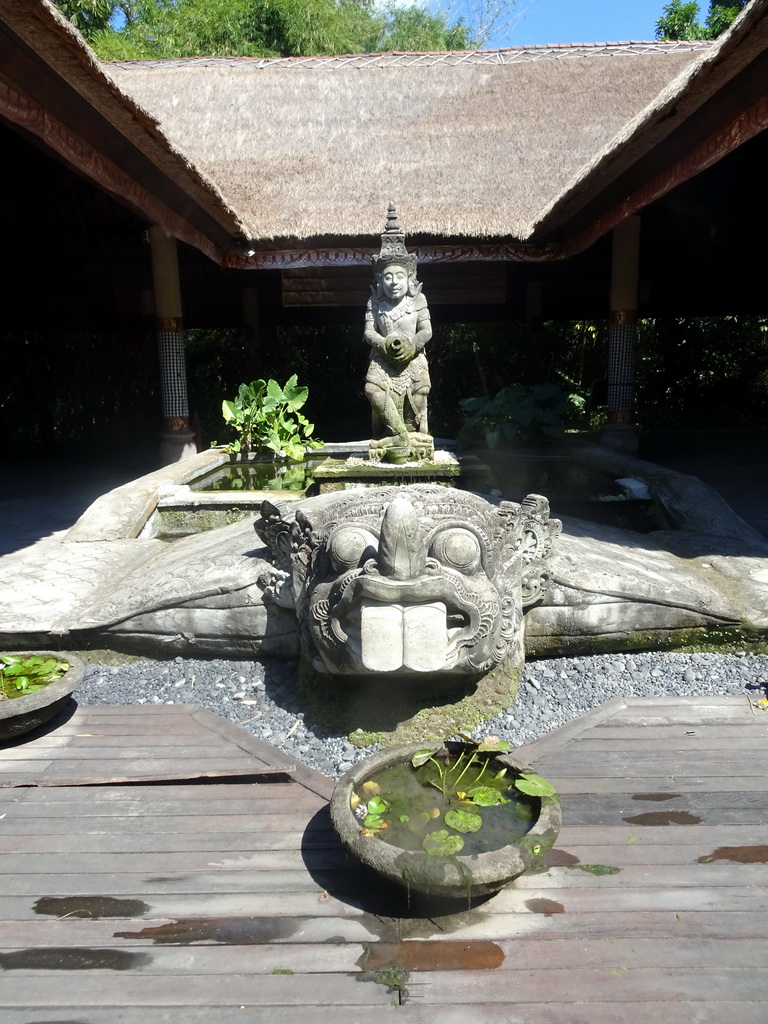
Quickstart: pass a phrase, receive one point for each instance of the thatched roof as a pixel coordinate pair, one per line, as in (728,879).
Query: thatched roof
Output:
(471,145)
(532,147)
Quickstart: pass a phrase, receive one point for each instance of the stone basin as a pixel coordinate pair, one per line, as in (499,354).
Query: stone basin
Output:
(458,877)
(22,714)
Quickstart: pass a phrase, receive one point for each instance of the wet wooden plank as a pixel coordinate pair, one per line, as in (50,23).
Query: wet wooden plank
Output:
(151,960)
(689,810)
(173,906)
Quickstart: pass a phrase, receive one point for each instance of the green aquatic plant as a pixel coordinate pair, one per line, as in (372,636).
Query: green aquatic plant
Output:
(469,807)
(266,416)
(20,675)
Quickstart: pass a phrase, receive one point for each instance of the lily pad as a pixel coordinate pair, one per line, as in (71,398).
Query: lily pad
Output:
(487,796)
(463,821)
(535,785)
(376,805)
(422,756)
(493,743)
(442,843)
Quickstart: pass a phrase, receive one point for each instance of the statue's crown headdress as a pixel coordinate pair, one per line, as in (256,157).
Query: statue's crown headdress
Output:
(393,249)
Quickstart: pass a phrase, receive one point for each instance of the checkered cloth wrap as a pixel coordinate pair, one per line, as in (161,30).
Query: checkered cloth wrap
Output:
(173,373)
(622,348)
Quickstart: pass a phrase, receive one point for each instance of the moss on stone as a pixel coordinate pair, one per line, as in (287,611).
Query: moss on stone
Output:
(694,640)
(372,711)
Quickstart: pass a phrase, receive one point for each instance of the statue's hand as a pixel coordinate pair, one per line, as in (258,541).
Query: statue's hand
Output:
(399,349)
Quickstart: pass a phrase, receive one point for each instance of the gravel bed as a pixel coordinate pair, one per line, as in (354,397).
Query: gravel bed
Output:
(262,697)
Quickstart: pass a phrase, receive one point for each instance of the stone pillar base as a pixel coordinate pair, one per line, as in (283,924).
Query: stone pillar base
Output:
(176,445)
(621,437)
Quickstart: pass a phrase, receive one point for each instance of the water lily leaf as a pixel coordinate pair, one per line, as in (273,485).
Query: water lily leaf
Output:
(422,756)
(442,843)
(404,818)
(376,805)
(487,796)
(535,785)
(463,821)
(493,743)
(374,821)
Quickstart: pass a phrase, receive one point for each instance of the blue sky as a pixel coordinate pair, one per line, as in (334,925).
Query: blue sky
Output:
(583,21)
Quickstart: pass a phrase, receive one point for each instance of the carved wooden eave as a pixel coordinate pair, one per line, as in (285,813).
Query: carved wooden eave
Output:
(339,255)
(53,89)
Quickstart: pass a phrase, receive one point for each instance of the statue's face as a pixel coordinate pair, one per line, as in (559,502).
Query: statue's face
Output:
(410,582)
(394,281)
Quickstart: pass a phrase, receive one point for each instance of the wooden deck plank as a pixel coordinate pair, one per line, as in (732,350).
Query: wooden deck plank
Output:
(414,954)
(226,882)
(615,984)
(136,825)
(172,843)
(214,747)
(713,1012)
(186,989)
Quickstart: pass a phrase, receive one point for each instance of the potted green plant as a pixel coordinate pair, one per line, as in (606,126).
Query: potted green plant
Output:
(452,819)
(34,686)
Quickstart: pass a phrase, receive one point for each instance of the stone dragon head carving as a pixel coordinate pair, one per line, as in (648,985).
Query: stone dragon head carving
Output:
(409,581)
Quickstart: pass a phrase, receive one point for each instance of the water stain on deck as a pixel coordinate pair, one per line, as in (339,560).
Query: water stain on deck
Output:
(445,955)
(656,797)
(664,818)
(545,907)
(94,907)
(737,855)
(228,931)
(55,958)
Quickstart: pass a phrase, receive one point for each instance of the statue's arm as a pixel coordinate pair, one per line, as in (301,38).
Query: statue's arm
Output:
(423,324)
(371,335)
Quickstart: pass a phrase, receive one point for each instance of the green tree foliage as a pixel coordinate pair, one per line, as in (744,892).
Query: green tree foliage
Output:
(88,16)
(146,29)
(679,19)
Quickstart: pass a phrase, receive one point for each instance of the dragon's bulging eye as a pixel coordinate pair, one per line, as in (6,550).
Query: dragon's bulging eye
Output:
(350,546)
(458,549)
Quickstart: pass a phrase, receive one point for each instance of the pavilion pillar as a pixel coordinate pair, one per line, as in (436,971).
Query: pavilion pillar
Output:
(176,439)
(620,432)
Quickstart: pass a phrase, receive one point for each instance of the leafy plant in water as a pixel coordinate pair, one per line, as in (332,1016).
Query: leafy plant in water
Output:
(467,782)
(517,412)
(20,676)
(265,415)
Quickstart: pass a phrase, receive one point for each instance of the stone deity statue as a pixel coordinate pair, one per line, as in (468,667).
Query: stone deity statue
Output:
(397,327)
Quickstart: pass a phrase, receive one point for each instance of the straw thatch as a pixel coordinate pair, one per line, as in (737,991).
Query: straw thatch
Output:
(515,145)
(468,148)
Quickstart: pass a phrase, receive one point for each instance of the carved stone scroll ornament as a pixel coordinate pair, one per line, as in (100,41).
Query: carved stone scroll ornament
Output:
(409,581)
